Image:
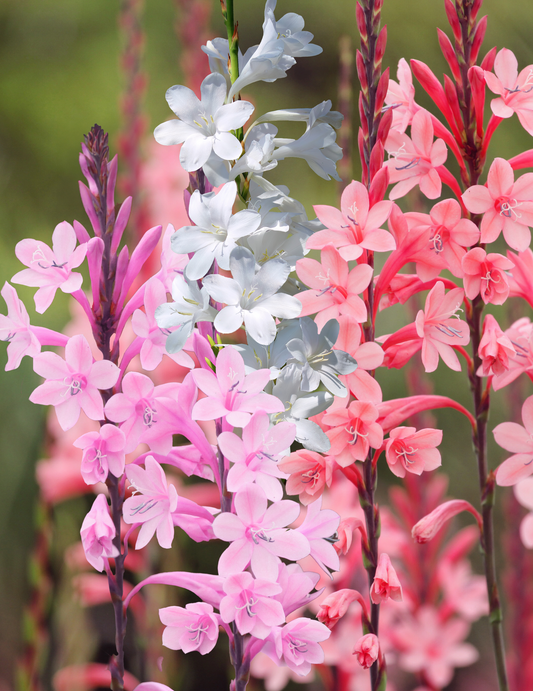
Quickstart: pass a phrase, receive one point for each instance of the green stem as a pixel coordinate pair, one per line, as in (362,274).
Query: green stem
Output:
(233,39)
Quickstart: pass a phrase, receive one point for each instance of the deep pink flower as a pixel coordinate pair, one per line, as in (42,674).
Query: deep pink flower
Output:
(386,582)
(97,534)
(50,269)
(193,627)
(152,503)
(309,473)
(355,227)
(409,450)
(15,329)
(413,160)
(434,324)
(514,90)
(354,431)
(519,440)
(507,205)
(495,349)
(103,452)
(73,384)
(367,650)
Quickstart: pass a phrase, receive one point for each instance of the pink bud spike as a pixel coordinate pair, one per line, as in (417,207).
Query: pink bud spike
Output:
(449,55)
(87,201)
(488,61)
(95,250)
(140,254)
(451,13)
(121,223)
(81,234)
(111,182)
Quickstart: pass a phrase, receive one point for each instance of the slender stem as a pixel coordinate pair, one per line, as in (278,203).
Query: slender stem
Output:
(233,39)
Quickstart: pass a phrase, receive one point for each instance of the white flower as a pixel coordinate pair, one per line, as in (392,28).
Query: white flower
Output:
(317,146)
(320,113)
(289,28)
(203,126)
(252,297)
(216,231)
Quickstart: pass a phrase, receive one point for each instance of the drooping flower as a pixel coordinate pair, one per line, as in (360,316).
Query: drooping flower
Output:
(506,205)
(495,349)
(409,450)
(73,384)
(514,89)
(97,534)
(519,440)
(193,627)
(367,650)
(386,582)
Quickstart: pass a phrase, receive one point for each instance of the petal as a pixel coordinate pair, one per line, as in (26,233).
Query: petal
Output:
(513,437)
(227,146)
(478,199)
(514,469)
(500,179)
(195,151)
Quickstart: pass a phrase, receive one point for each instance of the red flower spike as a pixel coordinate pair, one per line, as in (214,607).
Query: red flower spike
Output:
(362,116)
(376,159)
(384,126)
(381,91)
(493,125)
(434,89)
(488,61)
(380,47)
(451,95)
(475,9)
(449,54)
(361,147)
(523,160)
(378,186)
(478,39)
(451,13)
(477,82)
(360,18)
(361,72)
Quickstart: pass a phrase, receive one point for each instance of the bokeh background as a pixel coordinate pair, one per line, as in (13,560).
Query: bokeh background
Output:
(59,74)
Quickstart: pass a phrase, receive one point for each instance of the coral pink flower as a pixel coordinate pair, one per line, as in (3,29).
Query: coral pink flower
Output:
(410,451)
(309,473)
(354,431)
(401,97)
(485,276)
(495,349)
(338,287)
(413,161)
(434,324)
(15,329)
(367,650)
(335,606)
(386,583)
(51,269)
(193,627)
(521,278)
(507,205)
(250,604)
(523,491)
(103,452)
(369,356)
(73,384)
(519,440)
(355,227)
(98,533)
(514,90)
(427,527)
(152,504)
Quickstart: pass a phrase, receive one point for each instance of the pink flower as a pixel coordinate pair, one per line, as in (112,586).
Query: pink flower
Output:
(369,356)
(495,349)
(521,278)
(485,275)
(98,533)
(507,205)
(73,384)
(51,269)
(523,491)
(386,583)
(152,504)
(438,330)
(309,473)
(367,650)
(16,330)
(427,527)
(335,606)
(413,161)
(297,644)
(401,97)
(258,534)
(520,334)
(232,394)
(103,452)
(354,431)
(356,227)
(514,90)
(194,627)
(412,451)
(519,440)
(338,288)
(319,528)
(250,604)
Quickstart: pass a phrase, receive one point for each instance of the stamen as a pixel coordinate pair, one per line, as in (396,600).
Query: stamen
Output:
(448,330)
(248,606)
(146,506)
(404,452)
(356,434)
(74,386)
(260,534)
(297,647)
(198,632)
(149,416)
(412,164)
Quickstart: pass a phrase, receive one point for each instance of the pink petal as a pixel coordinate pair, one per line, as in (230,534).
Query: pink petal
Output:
(513,437)
(422,132)
(500,179)
(514,469)
(478,199)
(104,375)
(235,558)
(506,67)
(431,184)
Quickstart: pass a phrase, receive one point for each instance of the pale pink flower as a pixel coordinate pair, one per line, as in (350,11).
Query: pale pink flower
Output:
(464,592)
(103,452)
(297,644)
(276,676)
(50,269)
(319,528)
(519,440)
(357,226)
(98,533)
(355,431)
(439,331)
(93,675)
(258,534)
(73,384)
(369,356)
(520,333)
(16,330)
(250,604)
(334,288)
(152,503)
(386,582)
(514,90)
(401,97)
(309,473)
(484,274)
(523,491)
(367,650)
(232,394)
(495,349)
(506,205)
(409,450)
(193,627)
(414,160)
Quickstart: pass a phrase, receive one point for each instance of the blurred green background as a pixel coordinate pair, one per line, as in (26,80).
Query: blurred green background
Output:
(59,74)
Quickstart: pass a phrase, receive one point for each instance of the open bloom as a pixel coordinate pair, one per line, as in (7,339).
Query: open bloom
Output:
(298,644)
(103,452)
(401,97)
(97,534)
(485,275)
(309,473)
(519,440)
(73,384)
(410,451)
(354,430)
(15,329)
(514,90)
(495,349)
(506,205)
(193,627)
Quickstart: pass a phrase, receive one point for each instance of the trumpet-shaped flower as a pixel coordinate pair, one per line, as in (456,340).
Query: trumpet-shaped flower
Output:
(519,440)
(410,451)
(204,126)
(103,452)
(514,89)
(297,644)
(73,384)
(484,274)
(319,528)
(367,650)
(506,205)
(50,269)
(354,430)
(401,97)
(369,356)
(386,582)
(16,330)
(97,534)
(309,473)
(495,349)
(193,627)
